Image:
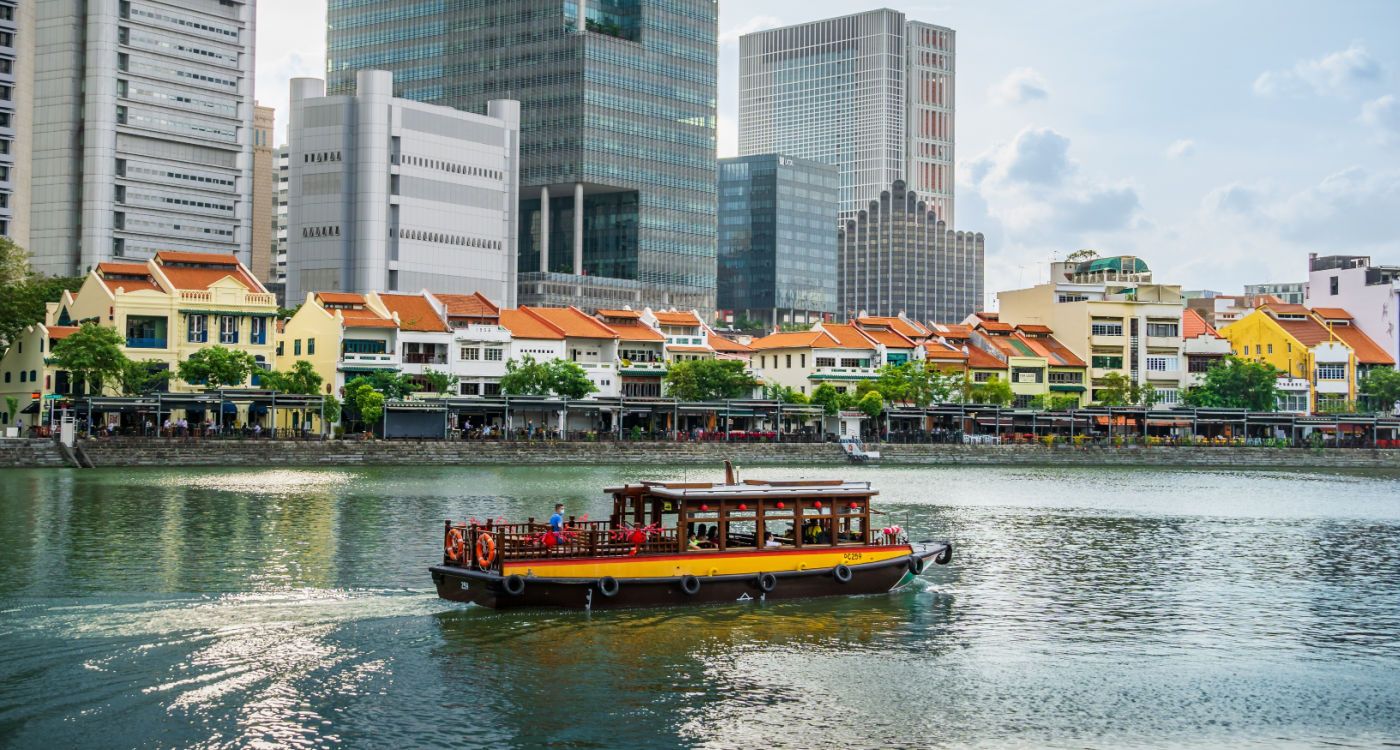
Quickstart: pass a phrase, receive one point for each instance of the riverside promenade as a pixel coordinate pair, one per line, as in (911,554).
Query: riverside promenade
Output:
(253,453)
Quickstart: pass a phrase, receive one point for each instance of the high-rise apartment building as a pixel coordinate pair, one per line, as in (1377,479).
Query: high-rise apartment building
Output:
(264,201)
(618,130)
(1294,293)
(897,257)
(141,130)
(777,253)
(8,116)
(388,194)
(871,93)
(279,219)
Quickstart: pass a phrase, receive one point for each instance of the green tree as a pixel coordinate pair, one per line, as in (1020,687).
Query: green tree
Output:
(141,378)
(440,382)
(568,379)
(526,377)
(371,407)
(331,409)
(708,380)
(12,408)
(916,383)
(1115,389)
(24,302)
(1055,402)
(391,384)
(217,366)
(1233,383)
(826,396)
(92,354)
(1081,255)
(301,379)
(995,391)
(1382,387)
(872,403)
(14,262)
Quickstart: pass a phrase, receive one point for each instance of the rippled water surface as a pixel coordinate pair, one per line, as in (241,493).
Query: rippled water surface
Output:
(1109,608)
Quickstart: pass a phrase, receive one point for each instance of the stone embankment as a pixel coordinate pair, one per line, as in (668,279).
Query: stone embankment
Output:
(254,453)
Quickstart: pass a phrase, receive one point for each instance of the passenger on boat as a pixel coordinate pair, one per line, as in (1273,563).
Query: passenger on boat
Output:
(556,521)
(770,541)
(713,539)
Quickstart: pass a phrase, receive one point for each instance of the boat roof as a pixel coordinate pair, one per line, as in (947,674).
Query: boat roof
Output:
(752,488)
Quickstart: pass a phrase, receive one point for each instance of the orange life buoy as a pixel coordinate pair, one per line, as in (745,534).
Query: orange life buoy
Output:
(485,550)
(456,545)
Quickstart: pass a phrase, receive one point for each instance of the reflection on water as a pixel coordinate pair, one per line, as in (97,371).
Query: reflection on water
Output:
(291,607)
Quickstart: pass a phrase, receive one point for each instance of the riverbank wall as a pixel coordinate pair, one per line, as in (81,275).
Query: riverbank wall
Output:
(255,453)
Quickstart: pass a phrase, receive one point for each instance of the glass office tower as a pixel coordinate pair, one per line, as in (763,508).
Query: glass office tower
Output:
(777,251)
(872,93)
(617,174)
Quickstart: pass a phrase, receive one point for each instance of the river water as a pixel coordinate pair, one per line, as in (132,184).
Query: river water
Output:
(1083,608)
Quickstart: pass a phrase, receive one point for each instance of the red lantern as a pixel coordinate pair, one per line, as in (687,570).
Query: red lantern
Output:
(854,506)
(743,506)
(781,505)
(638,537)
(817,505)
(550,540)
(704,508)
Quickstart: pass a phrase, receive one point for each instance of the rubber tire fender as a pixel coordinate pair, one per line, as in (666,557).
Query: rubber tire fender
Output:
(514,584)
(608,586)
(767,582)
(842,574)
(944,557)
(690,584)
(916,565)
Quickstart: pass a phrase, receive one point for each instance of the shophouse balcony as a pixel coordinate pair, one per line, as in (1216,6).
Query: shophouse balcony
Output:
(844,373)
(1109,341)
(424,359)
(379,359)
(137,342)
(1163,342)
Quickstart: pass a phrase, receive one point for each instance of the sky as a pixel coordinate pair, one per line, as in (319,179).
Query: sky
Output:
(1221,142)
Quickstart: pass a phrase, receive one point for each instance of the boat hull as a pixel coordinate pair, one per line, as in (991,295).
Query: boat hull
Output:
(490,589)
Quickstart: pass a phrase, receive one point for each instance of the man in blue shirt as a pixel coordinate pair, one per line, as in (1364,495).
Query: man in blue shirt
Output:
(556,521)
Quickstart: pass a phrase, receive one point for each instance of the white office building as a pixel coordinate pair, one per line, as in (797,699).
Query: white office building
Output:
(279,215)
(871,93)
(138,129)
(389,194)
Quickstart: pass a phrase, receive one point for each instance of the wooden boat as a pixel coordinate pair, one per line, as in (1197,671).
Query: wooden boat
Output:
(824,542)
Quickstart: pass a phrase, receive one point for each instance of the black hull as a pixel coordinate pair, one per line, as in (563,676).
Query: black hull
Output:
(489,589)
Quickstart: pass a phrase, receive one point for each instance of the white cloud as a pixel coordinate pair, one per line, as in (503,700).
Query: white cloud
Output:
(757,23)
(1350,210)
(1334,74)
(1181,149)
(1383,116)
(1020,86)
(291,43)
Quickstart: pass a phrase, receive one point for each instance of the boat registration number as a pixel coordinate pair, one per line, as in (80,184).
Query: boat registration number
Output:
(853,557)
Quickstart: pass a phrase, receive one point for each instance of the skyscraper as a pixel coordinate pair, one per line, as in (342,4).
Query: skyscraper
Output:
(871,93)
(617,130)
(388,194)
(8,116)
(141,131)
(264,201)
(777,250)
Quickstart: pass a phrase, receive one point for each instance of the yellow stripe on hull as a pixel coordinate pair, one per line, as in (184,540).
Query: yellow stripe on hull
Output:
(703,563)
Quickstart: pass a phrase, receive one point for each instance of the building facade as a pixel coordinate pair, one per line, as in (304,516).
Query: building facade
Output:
(140,137)
(777,253)
(1293,294)
(388,194)
(264,195)
(618,141)
(1370,292)
(9,115)
(281,168)
(897,257)
(1110,314)
(872,93)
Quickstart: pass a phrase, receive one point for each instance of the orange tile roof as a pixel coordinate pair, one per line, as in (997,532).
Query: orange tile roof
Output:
(1333,313)
(941,351)
(686,318)
(416,313)
(904,326)
(1194,326)
(848,336)
(722,344)
(890,338)
(61,332)
(988,315)
(523,325)
(1033,328)
(636,330)
(795,340)
(573,322)
(219,259)
(203,278)
(620,313)
(954,330)
(1307,332)
(1054,352)
(996,326)
(364,318)
(340,298)
(145,283)
(982,360)
(1368,352)
(468,305)
(1284,308)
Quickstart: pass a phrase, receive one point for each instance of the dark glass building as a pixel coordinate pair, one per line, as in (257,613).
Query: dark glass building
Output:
(777,251)
(617,187)
(896,257)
